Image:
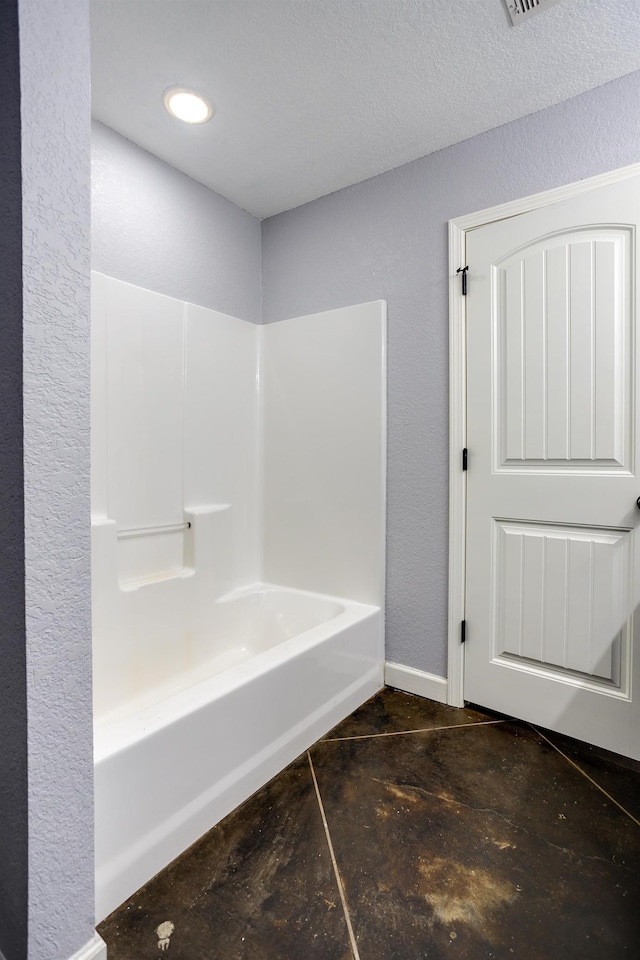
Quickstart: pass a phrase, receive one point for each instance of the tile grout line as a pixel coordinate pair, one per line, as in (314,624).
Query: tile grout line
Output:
(404,733)
(352,938)
(585,774)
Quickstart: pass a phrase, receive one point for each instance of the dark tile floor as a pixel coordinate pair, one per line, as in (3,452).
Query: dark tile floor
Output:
(412,830)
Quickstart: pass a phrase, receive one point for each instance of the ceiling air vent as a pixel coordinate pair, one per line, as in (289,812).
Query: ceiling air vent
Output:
(520,10)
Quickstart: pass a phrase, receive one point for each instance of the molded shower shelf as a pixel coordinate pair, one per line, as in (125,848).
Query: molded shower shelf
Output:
(154,553)
(128,585)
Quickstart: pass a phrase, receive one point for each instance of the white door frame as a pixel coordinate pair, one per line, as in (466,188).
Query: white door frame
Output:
(458,396)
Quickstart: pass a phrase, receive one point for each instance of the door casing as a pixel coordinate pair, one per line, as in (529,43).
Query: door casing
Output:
(458,228)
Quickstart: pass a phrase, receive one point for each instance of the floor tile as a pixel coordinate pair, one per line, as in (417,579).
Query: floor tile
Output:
(392,711)
(259,886)
(478,842)
(619,776)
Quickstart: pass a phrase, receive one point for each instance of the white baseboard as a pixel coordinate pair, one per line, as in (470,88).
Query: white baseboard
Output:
(416,681)
(94,949)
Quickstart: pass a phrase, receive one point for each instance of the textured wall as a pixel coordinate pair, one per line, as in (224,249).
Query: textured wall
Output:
(157,228)
(55,84)
(387,238)
(13,699)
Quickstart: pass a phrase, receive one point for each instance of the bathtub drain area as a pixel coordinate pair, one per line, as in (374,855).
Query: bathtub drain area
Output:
(412,829)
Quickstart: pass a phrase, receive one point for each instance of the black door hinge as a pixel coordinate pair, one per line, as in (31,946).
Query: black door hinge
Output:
(463,631)
(463,271)
(465,458)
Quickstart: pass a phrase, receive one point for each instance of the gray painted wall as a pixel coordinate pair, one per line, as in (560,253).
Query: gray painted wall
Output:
(387,238)
(13,700)
(55,85)
(159,229)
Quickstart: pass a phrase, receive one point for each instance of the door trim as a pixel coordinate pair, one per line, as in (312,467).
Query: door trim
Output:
(458,228)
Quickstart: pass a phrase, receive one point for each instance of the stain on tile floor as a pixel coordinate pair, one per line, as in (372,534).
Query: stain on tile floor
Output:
(472,840)
(482,836)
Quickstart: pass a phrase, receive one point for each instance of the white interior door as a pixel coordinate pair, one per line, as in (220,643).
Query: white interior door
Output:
(552,546)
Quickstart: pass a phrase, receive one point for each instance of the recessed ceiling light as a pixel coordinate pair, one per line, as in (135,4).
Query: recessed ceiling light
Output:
(188,105)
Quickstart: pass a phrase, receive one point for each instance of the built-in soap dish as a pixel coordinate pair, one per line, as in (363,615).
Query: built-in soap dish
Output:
(154,554)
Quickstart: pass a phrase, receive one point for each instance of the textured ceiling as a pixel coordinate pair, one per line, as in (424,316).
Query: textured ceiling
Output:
(314,95)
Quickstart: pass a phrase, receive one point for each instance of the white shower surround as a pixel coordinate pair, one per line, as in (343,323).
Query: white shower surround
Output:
(264,449)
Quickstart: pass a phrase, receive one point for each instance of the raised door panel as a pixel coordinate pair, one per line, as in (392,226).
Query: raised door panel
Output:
(561,600)
(562,330)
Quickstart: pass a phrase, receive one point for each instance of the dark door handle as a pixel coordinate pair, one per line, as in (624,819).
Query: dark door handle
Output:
(638,503)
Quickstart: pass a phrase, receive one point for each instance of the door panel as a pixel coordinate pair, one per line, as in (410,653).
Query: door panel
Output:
(561,597)
(562,335)
(552,551)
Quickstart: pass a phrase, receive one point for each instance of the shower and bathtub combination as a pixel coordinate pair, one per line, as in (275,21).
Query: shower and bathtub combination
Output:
(238,520)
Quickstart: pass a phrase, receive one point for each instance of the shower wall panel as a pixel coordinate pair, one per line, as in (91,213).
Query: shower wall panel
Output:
(174,494)
(221,431)
(324,437)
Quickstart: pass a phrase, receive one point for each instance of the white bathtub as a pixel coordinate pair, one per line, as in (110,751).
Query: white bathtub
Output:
(174,760)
